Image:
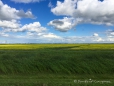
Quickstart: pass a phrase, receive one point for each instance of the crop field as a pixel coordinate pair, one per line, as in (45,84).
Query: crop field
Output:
(57,65)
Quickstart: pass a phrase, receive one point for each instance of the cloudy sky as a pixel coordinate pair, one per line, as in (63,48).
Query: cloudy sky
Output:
(56,21)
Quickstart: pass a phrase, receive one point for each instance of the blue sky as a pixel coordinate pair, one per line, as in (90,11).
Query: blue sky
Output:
(56,21)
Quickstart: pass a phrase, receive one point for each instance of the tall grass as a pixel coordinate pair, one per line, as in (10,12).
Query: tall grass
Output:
(57,59)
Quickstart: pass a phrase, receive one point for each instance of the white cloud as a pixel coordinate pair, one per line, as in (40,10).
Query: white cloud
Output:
(14,26)
(32,31)
(50,5)
(9,24)
(33,27)
(36,30)
(9,13)
(51,36)
(64,24)
(65,8)
(26,1)
(110,32)
(89,11)
(43,37)
(110,39)
(95,34)
(84,39)
(98,39)
(4,34)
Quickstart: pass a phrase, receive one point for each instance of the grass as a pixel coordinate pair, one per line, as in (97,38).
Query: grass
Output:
(55,80)
(56,64)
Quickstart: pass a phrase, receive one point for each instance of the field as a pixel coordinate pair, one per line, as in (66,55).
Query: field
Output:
(57,65)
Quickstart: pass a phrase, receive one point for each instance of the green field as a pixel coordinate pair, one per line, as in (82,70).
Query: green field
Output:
(57,65)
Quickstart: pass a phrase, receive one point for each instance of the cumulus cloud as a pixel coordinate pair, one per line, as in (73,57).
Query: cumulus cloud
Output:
(33,27)
(14,26)
(32,31)
(51,35)
(88,11)
(27,14)
(9,24)
(9,13)
(95,34)
(64,8)
(64,24)
(26,1)
(98,39)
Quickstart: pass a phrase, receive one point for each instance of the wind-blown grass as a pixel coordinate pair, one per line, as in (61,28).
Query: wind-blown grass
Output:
(57,59)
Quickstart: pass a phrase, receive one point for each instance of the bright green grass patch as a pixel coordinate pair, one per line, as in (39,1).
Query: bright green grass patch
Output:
(71,46)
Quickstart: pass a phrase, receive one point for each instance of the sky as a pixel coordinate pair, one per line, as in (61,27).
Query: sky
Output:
(56,21)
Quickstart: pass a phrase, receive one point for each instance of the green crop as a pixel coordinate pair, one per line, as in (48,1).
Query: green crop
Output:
(57,59)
